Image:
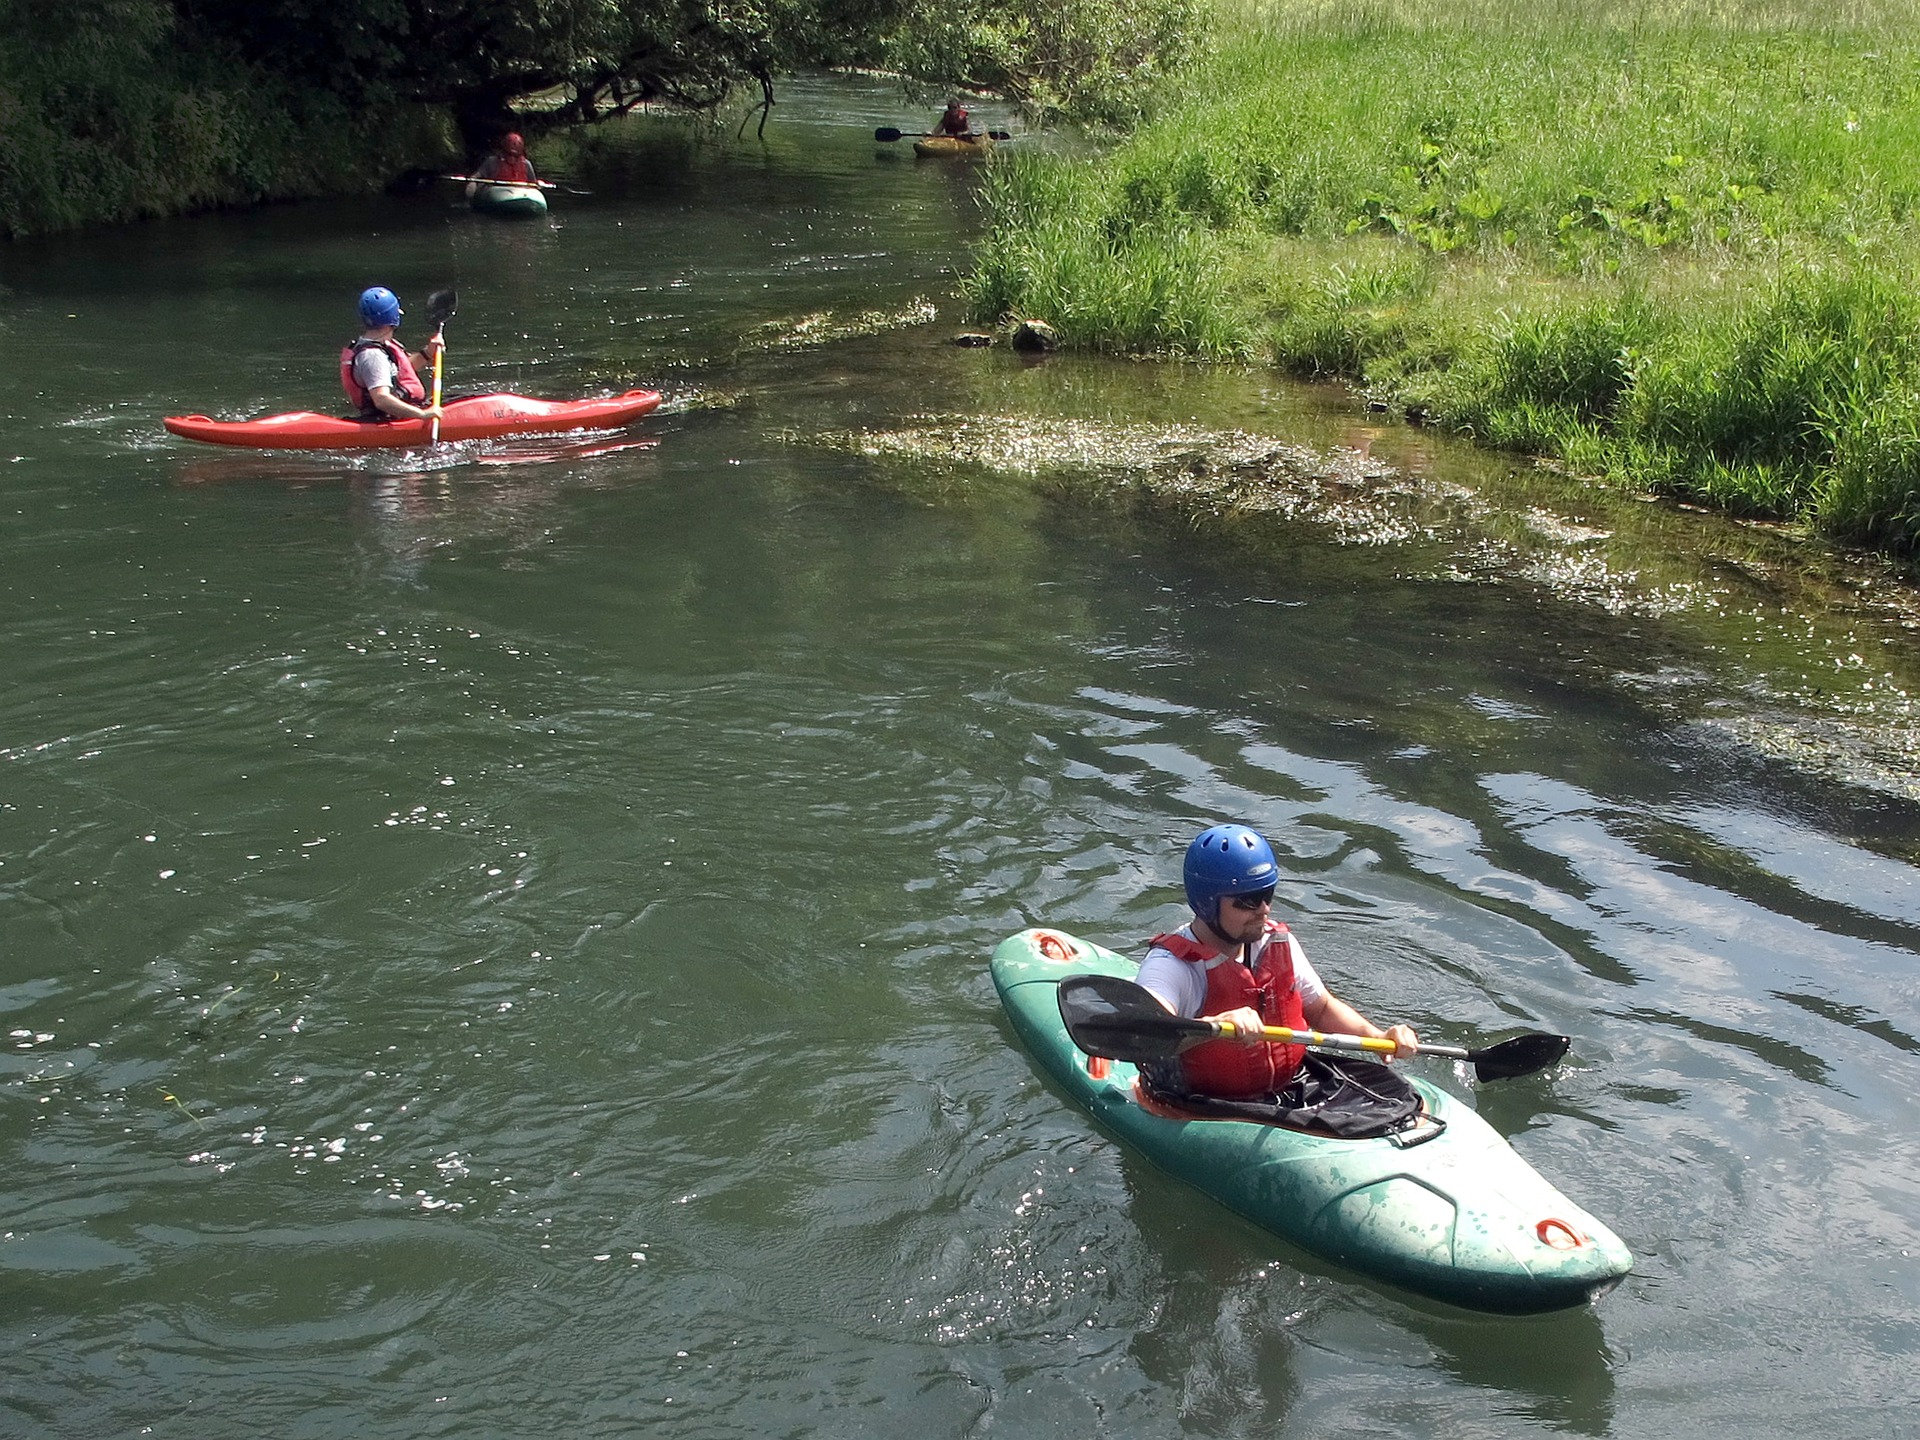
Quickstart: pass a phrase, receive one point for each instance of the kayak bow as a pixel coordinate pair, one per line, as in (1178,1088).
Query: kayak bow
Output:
(478,417)
(492,198)
(1447,1209)
(978,143)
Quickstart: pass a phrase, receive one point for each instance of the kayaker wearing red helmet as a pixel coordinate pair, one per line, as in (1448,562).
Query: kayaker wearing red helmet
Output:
(508,165)
(1234,962)
(381,377)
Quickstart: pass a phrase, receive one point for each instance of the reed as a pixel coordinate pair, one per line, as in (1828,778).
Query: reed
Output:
(1671,243)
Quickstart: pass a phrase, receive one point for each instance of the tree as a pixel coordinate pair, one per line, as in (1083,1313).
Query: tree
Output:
(114,109)
(589,59)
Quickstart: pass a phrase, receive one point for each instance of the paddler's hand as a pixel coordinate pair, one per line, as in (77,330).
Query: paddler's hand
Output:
(435,344)
(1407,1044)
(1245,1022)
(432,412)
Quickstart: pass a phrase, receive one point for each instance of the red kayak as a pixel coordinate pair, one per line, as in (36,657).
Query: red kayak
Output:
(478,417)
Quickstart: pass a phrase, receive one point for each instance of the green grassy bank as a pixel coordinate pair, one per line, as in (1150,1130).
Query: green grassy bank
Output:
(1675,244)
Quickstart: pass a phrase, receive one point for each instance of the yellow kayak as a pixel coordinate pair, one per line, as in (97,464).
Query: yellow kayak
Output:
(975,144)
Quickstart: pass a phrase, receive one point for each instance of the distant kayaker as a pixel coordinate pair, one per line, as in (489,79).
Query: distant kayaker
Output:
(1234,962)
(508,165)
(954,120)
(381,377)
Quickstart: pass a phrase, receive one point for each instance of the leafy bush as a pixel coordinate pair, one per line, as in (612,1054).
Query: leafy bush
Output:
(110,115)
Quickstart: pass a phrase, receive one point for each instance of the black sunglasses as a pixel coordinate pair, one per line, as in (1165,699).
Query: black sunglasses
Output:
(1253,901)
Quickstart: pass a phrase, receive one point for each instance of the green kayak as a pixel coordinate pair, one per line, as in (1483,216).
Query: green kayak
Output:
(524,201)
(1446,1210)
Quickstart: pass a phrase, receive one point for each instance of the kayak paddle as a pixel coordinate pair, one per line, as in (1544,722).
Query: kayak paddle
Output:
(888,133)
(1116,1018)
(439,310)
(539,184)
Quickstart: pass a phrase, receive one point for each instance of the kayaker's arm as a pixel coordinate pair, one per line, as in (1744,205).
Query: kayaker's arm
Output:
(1333,1014)
(388,403)
(1174,985)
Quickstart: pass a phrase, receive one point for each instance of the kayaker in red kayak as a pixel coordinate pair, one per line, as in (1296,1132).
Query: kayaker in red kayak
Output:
(508,165)
(381,377)
(954,121)
(1234,962)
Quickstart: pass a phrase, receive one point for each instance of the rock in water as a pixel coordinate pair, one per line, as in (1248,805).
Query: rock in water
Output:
(1034,335)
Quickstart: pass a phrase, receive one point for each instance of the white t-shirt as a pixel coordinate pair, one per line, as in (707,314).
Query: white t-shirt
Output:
(1182,988)
(374,367)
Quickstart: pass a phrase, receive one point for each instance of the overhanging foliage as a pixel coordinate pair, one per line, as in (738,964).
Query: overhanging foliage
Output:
(118,108)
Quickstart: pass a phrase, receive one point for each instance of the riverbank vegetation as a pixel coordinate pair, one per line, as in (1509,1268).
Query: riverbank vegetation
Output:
(117,109)
(1675,244)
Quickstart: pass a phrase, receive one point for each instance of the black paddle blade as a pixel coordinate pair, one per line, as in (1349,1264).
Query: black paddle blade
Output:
(886,132)
(1521,1055)
(1108,1016)
(440,307)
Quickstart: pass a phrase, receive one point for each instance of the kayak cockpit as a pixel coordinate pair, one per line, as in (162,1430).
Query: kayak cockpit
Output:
(1426,1125)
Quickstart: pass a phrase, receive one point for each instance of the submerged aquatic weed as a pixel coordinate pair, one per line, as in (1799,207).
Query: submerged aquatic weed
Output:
(175,1101)
(825,327)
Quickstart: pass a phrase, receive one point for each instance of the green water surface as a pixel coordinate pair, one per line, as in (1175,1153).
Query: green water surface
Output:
(492,941)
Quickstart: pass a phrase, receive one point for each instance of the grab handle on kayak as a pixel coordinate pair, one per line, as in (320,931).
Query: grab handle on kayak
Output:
(1054,947)
(1429,1127)
(1557,1234)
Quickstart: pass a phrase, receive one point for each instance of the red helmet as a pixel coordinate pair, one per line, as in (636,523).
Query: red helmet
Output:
(513,145)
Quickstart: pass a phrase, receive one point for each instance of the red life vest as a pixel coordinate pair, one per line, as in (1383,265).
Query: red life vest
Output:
(508,170)
(1234,1068)
(406,380)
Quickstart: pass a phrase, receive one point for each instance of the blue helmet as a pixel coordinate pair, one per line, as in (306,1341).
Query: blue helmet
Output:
(379,306)
(1227,860)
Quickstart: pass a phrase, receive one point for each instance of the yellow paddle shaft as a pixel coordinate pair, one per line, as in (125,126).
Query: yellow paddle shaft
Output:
(438,356)
(1284,1036)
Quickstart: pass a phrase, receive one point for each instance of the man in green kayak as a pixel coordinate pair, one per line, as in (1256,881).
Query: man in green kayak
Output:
(507,165)
(1234,962)
(381,377)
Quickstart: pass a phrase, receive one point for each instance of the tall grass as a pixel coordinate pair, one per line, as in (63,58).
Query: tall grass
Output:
(1675,243)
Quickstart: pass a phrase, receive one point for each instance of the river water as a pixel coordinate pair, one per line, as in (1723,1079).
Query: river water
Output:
(494,942)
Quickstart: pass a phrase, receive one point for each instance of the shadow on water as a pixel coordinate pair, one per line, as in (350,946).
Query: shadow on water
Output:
(408,505)
(1556,1370)
(291,469)
(1254,1332)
